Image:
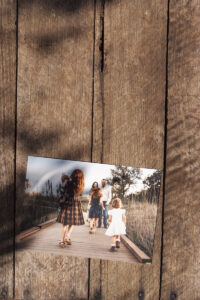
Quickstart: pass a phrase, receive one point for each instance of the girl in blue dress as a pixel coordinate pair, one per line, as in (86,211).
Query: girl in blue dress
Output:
(96,206)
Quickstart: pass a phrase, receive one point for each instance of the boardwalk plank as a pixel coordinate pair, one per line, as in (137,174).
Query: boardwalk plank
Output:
(83,244)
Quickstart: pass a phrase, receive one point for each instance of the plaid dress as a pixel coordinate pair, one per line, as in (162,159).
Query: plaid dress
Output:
(71,213)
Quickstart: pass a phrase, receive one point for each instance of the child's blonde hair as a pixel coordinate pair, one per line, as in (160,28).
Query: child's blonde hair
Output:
(116,203)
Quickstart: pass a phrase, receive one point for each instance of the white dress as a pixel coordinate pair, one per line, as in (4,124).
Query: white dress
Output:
(116,226)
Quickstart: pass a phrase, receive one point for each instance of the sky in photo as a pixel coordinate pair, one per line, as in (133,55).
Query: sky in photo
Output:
(41,169)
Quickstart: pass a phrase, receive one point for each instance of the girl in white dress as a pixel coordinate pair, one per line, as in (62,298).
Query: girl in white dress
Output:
(117,223)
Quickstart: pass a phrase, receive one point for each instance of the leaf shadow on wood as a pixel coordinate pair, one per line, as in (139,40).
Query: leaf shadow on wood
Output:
(46,42)
(31,145)
(62,6)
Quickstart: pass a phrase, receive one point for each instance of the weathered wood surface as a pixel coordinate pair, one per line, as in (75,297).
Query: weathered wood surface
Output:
(129,119)
(83,244)
(181,255)
(48,276)
(54,82)
(7,142)
(105,62)
(54,120)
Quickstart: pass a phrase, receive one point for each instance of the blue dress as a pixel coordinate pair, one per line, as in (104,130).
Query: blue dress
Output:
(95,209)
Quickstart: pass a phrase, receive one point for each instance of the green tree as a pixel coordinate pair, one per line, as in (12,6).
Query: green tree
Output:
(122,178)
(153,183)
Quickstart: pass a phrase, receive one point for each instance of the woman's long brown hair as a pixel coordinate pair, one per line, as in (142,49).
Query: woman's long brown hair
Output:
(96,191)
(78,182)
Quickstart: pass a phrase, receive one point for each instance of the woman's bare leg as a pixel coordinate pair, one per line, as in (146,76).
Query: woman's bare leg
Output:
(95,223)
(63,232)
(91,223)
(69,230)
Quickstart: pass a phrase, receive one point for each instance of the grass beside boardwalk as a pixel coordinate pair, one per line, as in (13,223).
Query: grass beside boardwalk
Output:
(37,208)
(141,222)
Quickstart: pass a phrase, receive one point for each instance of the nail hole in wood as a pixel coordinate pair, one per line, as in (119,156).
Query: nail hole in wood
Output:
(4,293)
(173,296)
(141,295)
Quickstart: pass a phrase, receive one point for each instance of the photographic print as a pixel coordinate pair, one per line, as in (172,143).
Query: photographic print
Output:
(90,210)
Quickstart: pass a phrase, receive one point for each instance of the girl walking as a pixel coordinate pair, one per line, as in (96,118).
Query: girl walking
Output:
(71,214)
(96,206)
(117,224)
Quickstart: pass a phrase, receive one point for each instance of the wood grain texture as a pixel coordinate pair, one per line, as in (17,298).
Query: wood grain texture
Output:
(131,103)
(72,100)
(46,276)
(7,142)
(98,93)
(181,256)
(54,112)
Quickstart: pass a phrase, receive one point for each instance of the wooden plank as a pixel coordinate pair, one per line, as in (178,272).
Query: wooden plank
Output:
(181,254)
(27,233)
(94,283)
(137,252)
(95,265)
(54,114)
(7,142)
(47,223)
(130,99)
(98,107)
(58,81)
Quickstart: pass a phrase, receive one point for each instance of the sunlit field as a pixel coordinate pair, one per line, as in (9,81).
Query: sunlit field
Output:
(141,221)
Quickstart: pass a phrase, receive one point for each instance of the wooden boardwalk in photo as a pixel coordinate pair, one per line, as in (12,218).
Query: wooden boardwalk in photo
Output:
(83,244)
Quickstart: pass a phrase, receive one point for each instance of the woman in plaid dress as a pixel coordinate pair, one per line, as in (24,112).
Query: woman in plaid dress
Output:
(71,214)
